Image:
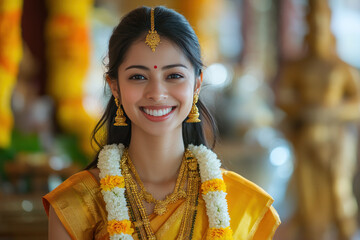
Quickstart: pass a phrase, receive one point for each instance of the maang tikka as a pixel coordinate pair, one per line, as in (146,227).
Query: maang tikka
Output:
(152,38)
(120,119)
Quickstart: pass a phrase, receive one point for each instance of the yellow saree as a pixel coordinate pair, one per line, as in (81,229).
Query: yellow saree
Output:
(80,207)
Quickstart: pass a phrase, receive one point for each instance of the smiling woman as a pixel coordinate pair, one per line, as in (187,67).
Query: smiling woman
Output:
(146,93)
(155,176)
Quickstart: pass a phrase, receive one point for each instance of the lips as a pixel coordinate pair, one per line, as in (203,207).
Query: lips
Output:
(158,113)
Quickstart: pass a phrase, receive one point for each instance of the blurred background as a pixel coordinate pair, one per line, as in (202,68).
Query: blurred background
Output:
(281,78)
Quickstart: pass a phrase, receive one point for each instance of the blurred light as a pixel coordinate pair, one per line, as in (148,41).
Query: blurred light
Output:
(216,74)
(59,162)
(285,171)
(27,205)
(279,156)
(264,136)
(230,37)
(346,27)
(56,163)
(54,181)
(249,83)
(92,104)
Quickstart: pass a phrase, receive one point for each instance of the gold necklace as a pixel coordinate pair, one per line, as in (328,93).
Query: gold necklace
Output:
(135,201)
(161,205)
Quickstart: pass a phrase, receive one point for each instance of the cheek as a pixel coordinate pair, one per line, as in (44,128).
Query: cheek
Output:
(129,95)
(185,95)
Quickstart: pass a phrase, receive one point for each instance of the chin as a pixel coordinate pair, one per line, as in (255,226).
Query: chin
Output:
(160,130)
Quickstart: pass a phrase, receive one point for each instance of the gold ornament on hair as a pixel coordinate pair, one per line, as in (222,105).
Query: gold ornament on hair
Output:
(120,119)
(152,38)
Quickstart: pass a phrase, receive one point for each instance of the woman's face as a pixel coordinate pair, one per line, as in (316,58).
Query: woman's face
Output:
(156,88)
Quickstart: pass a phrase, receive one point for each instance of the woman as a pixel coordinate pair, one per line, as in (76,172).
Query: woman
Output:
(154,178)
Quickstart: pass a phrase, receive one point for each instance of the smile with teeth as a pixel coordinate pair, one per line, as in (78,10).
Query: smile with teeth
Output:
(157,112)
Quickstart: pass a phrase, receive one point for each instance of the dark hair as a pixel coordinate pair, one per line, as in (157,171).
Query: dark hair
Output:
(174,27)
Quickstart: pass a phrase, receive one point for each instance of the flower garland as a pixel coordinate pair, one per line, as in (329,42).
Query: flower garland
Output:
(213,190)
(113,191)
(10,56)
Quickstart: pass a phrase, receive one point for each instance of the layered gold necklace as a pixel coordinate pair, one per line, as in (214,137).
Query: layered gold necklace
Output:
(187,186)
(161,205)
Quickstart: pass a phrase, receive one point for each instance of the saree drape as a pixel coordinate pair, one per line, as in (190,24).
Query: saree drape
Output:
(80,207)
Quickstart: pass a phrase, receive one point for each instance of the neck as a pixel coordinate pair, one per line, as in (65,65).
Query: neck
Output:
(156,158)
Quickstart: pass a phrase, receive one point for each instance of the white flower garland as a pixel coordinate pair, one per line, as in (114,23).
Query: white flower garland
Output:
(216,205)
(213,191)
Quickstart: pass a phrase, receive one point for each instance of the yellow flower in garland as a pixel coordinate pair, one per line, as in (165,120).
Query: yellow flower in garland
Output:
(117,227)
(219,234)
(213,185)
(109,182)
(10,55)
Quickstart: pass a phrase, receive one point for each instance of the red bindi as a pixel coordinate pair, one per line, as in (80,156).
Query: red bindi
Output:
(155,67)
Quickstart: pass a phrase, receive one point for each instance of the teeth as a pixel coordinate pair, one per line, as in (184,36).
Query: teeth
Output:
(158,113)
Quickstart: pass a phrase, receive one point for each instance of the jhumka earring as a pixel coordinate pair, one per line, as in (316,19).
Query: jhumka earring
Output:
(152,38)
(120,119)
(194,113)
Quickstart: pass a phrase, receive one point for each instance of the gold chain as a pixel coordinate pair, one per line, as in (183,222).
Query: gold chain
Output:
(152,38)
(135,200)
(152,20)
(161,205)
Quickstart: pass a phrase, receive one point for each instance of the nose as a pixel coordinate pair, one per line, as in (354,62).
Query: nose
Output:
(156,90)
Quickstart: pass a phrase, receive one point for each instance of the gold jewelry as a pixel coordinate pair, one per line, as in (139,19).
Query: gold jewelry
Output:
(138,211)
(152,38)
(120,119)
(194,113)
(161,205)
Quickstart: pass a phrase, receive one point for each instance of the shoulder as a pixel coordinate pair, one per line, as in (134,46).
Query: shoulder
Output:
(250,208)
(236,184)
(80,184)
(78,204)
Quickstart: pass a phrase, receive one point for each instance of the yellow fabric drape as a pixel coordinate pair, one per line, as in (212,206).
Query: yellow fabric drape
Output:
(68,53)
(79,205)
(10,56)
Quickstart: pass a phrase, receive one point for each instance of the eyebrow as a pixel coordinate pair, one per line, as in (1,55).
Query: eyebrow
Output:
(163,68)
(137,66)
(173,66)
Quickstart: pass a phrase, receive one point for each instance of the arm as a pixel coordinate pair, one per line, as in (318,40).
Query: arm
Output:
(350,110)
(73,208)
(56,228)
(287,91)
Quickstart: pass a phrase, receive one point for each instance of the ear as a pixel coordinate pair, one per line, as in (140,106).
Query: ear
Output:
(114,87)
(198,83)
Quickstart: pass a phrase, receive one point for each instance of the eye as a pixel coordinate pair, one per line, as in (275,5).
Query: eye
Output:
(137,77)
(174,76)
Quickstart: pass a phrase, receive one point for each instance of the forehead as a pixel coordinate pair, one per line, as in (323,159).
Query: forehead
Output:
(166,53)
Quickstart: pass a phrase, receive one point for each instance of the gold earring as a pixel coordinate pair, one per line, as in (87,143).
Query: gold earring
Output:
(120,119)
(194,113)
